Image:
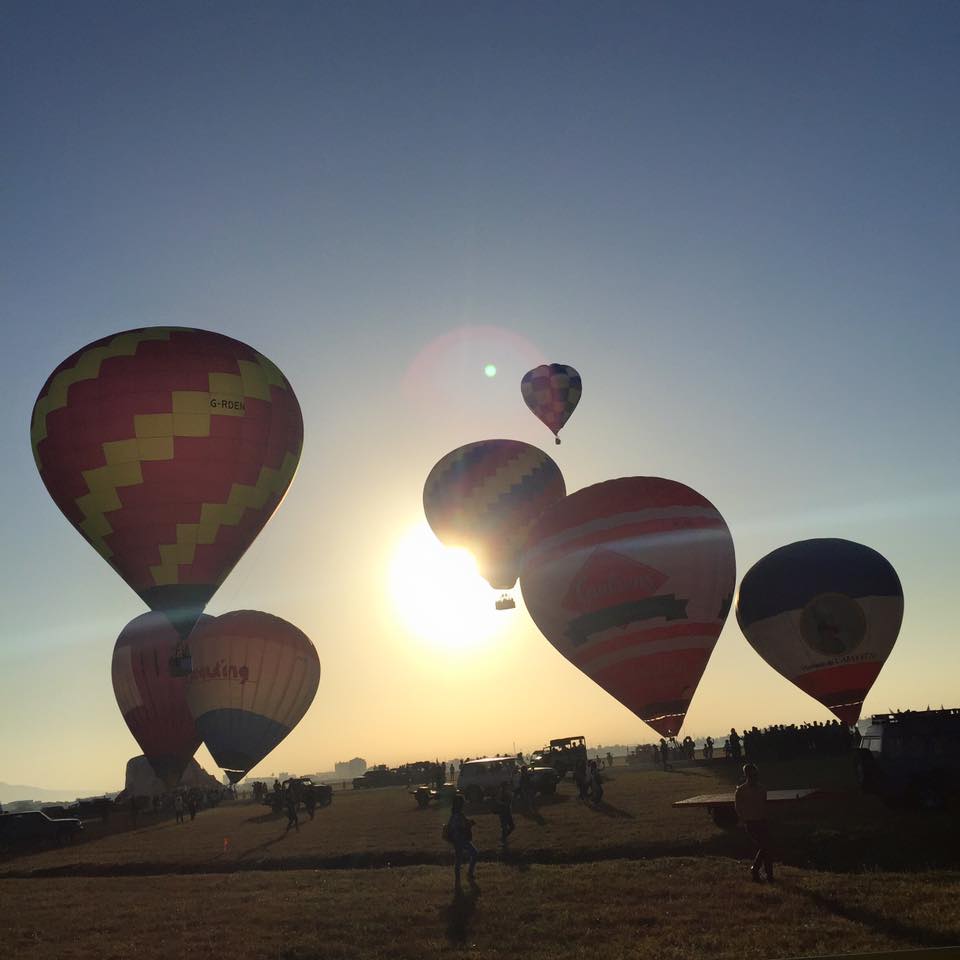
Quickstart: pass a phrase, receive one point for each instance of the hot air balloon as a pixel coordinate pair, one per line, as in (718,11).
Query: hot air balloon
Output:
(154,703)
(552,391)
(631,580)
(254,677)
(485,496)
(824,614)
(168,449)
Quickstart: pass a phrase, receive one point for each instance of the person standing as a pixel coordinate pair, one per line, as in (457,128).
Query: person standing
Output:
(459,831)
(750,802)
(178,807)
(505,811)
(192,805)
(596,783)
(664,754)
(526,789)
(580,778)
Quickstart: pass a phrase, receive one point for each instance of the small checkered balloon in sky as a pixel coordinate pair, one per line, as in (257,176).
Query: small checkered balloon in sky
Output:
(552,391)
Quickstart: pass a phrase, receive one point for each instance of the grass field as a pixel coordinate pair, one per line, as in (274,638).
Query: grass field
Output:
(370,877)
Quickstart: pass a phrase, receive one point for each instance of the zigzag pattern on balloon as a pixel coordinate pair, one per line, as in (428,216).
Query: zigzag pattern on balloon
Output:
(168,449)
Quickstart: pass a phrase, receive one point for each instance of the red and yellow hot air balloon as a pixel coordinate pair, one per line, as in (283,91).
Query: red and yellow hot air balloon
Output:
(825,614)
(152,701)
(485,496)
(552,392)
(254,677)
(168,449)
(631,580)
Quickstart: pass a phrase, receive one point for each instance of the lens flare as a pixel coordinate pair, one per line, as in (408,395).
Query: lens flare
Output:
(490,370)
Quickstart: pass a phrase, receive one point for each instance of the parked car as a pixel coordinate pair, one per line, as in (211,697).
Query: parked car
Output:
(322,793)
(910,758)
(424,793)
(483,777)
(381,776)
(34,829)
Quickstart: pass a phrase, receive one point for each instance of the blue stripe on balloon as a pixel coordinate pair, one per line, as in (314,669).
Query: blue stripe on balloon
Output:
(790,577)
(239,739)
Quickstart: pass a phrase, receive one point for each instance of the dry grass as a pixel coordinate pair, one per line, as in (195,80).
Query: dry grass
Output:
(381,827)
(635,878)
(668,909)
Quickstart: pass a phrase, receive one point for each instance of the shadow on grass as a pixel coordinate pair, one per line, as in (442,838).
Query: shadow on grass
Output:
(609,810)
(266,817)
(456,915)
(531,813)
(908,933)
(266,845)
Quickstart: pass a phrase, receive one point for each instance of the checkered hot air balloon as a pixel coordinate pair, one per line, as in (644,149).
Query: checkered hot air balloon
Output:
(825,614)
(168,449)
(254,677)
(631,580)
(152,701)
(552,391)
(485,496)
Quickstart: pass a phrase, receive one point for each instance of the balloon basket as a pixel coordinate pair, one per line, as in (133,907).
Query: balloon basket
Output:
(505,603)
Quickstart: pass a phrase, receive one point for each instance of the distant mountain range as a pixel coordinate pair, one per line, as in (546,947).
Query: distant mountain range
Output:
(9,792)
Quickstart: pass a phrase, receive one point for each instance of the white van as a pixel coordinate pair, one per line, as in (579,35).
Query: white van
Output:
(482,777)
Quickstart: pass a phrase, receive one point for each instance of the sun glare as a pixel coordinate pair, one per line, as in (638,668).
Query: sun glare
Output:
(438,594)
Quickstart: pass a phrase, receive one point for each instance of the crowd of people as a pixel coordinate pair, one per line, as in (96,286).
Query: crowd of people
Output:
(777,742)
(790,741)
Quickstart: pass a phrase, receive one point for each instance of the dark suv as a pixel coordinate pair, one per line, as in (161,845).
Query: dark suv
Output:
(35,829)
(910,758)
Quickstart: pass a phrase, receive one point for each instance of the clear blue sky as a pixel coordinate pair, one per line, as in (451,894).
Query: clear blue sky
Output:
(740,221)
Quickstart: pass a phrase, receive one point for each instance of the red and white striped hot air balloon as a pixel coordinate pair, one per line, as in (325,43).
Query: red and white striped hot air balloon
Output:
(631,580)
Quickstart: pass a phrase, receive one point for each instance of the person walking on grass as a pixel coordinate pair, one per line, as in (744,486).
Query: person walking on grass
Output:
(292,819)
(596,783)
(459,832)
(750,802)
(505,811)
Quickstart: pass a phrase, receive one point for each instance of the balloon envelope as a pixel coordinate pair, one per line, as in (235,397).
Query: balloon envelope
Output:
(153,701)
(485,496)
(631,580)
(552,391)
(824,614)
(168,449)
(254,677)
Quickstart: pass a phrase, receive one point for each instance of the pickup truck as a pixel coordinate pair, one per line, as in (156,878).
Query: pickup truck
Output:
(910,759)
(562,754)
(35,828)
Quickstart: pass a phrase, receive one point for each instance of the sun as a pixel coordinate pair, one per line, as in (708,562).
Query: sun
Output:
(438,594)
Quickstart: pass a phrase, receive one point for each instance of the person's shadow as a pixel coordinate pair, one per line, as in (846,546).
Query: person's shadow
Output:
(609,810)
(456,915)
